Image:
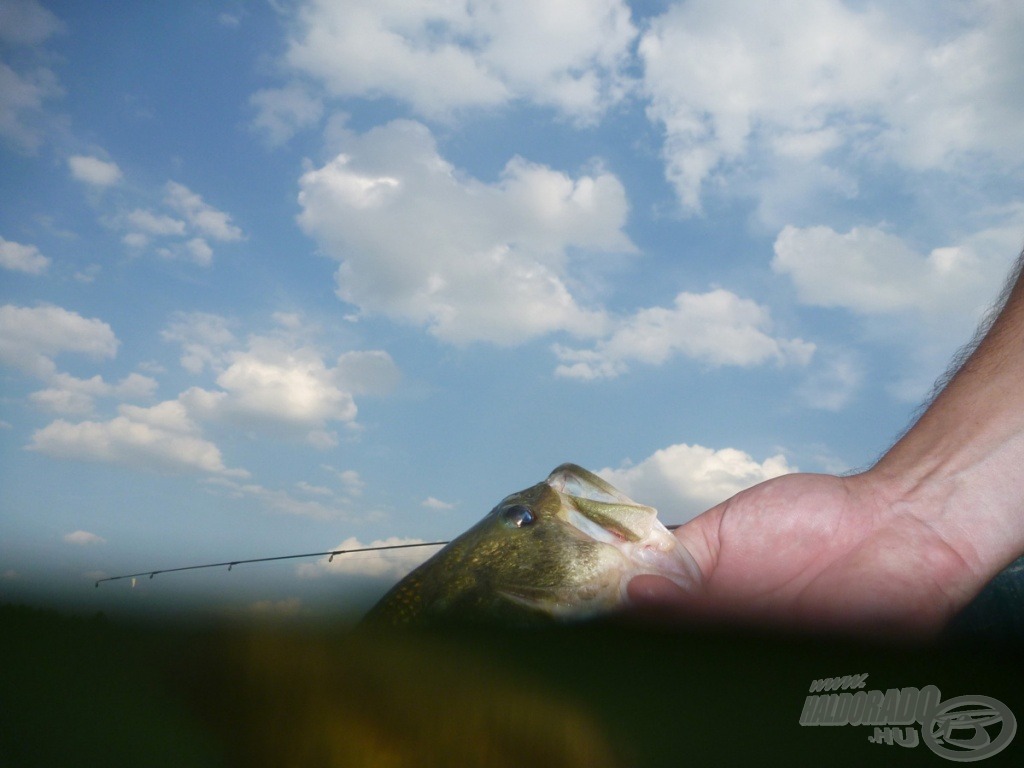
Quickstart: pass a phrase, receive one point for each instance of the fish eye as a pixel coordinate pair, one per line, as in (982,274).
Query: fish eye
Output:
(519,515)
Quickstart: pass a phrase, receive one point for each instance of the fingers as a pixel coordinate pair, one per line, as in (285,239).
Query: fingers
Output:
(656,590)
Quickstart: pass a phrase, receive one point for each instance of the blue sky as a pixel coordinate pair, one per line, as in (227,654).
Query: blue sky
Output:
(281,276)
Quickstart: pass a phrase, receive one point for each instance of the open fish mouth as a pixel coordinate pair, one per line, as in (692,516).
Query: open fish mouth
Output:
(600,512)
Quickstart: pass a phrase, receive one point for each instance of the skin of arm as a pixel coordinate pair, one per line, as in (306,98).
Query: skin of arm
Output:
(896,550)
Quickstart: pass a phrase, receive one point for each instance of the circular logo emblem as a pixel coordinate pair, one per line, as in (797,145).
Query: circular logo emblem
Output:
(968,728)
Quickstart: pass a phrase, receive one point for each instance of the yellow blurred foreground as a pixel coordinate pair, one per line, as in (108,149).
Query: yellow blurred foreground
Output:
(101,692)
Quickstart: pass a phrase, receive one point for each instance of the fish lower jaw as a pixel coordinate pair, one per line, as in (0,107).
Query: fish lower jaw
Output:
(673,563)
(658,553)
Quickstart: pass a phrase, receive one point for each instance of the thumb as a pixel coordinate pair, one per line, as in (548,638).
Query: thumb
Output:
(699,538)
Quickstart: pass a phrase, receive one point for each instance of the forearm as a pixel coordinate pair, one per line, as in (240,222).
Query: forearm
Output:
(961,466)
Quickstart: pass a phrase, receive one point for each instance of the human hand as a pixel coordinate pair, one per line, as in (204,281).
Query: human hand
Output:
(818,552)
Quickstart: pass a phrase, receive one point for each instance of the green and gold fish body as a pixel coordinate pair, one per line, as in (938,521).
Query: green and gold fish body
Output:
(564,548)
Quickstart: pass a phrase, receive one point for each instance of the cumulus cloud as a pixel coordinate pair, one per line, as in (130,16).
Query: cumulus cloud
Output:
(682,481)
(369,372)
(277,382)
(442,57)
(313,490)
(69,395)
(22,258)
(873,272)
(717,328)
(282,112)
(926,301)
(199,251)
(83,538)
(832,383)
(202,216)
(386,564)
(204,339)
(270,384)
(23,96)
(421,242)
(161,438)
(352,483)
(31,336)
(24,93)
(149,223)
(26,22)
(182,230)
(736,87)
(92,170)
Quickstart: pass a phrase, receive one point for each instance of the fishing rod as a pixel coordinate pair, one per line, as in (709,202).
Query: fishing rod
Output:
(332,552)
(232,563)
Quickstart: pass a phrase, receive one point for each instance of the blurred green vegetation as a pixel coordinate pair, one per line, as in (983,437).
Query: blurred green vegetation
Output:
(80,691)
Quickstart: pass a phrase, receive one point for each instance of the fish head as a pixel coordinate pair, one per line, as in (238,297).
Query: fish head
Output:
(565,548)
(585,540)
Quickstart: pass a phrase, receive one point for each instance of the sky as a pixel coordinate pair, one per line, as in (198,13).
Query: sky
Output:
(288,276)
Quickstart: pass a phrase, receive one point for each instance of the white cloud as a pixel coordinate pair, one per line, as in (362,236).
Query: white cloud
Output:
(472,261)
(278,382)
(925,302)
(370,372)
(872,272)
(26,22)
(682,481)
(431,503)
(717,328)
(161,438)
(83,538)
(92,170)
(22,100)
(282,112)
(31,336)
(272,385)
(230,20)
(279,501)
(23,94)
(323,438)
(442,57)
(201,215)
(200,251)
(352,483)
(72,396)
(22,258)
(204,338)
(88,275)
(390,563)
(182,231)
(159,224)
(168,416)
(733,84)
(313,490)
(833,382)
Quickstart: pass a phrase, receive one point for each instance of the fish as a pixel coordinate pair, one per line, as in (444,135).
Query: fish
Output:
(563,549)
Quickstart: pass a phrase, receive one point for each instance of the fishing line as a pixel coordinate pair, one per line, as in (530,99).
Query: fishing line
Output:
(332,552)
